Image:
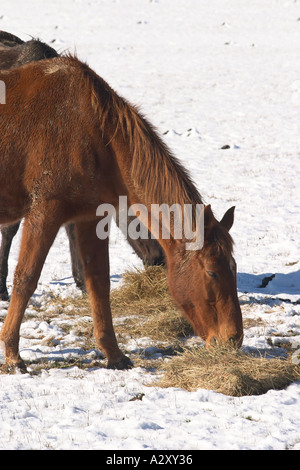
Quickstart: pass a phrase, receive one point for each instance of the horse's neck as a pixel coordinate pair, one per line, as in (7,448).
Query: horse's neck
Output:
(151,175)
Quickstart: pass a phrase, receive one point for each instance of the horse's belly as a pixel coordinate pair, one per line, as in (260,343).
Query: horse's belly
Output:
(12,208)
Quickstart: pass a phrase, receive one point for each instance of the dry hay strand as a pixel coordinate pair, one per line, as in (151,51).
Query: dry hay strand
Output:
(141,306)
(227,371)
(141,284)
(145,304)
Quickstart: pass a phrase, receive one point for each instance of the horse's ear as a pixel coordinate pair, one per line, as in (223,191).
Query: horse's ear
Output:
(209,221)
(228,218)
(208,216)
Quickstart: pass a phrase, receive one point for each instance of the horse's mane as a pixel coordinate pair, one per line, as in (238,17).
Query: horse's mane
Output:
(156,174)
(155,170)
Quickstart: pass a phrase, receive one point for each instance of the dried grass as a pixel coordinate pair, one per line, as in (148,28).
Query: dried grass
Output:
(142,284)
(145,303)
(227,371)
(143,307)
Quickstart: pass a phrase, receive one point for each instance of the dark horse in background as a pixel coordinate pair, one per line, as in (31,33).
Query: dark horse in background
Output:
(90,147)
(14,53)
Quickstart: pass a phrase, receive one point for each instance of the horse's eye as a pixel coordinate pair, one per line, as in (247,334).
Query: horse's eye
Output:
(212,274)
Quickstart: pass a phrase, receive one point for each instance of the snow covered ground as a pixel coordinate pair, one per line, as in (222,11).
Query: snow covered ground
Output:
(208,74)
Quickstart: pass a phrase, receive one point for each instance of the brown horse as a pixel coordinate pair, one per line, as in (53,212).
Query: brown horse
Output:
(13,53)
(81,145)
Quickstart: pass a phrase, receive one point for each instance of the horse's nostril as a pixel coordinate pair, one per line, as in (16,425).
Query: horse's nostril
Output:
(235,341)
(232,341)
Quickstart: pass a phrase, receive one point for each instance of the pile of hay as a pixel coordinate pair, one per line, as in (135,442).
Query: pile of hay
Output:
(144,302)
(142,307)
(227,371)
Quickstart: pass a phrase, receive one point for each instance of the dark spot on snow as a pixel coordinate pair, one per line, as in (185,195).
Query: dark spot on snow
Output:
(266,280)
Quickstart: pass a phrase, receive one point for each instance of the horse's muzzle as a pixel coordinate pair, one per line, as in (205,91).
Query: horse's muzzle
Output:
(234,341)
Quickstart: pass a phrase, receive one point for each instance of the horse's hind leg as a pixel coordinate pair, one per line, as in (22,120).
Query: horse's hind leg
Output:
(95,259)
(39,232)
(7,235)
(77,269)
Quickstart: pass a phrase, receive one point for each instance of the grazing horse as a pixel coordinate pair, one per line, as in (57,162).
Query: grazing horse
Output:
(13,53)
(80,145)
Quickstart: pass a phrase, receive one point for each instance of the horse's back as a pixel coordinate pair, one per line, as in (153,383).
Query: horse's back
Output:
(50,135)
(9,39)
(14,52)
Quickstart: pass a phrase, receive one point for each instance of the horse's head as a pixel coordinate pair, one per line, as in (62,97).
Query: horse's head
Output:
(204,283)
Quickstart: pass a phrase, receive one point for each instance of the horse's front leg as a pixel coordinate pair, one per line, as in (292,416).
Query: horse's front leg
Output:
(39,231)
(95,260)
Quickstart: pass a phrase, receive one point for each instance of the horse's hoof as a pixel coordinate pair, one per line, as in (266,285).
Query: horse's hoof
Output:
(13,368)
(121,364)
(4,296)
